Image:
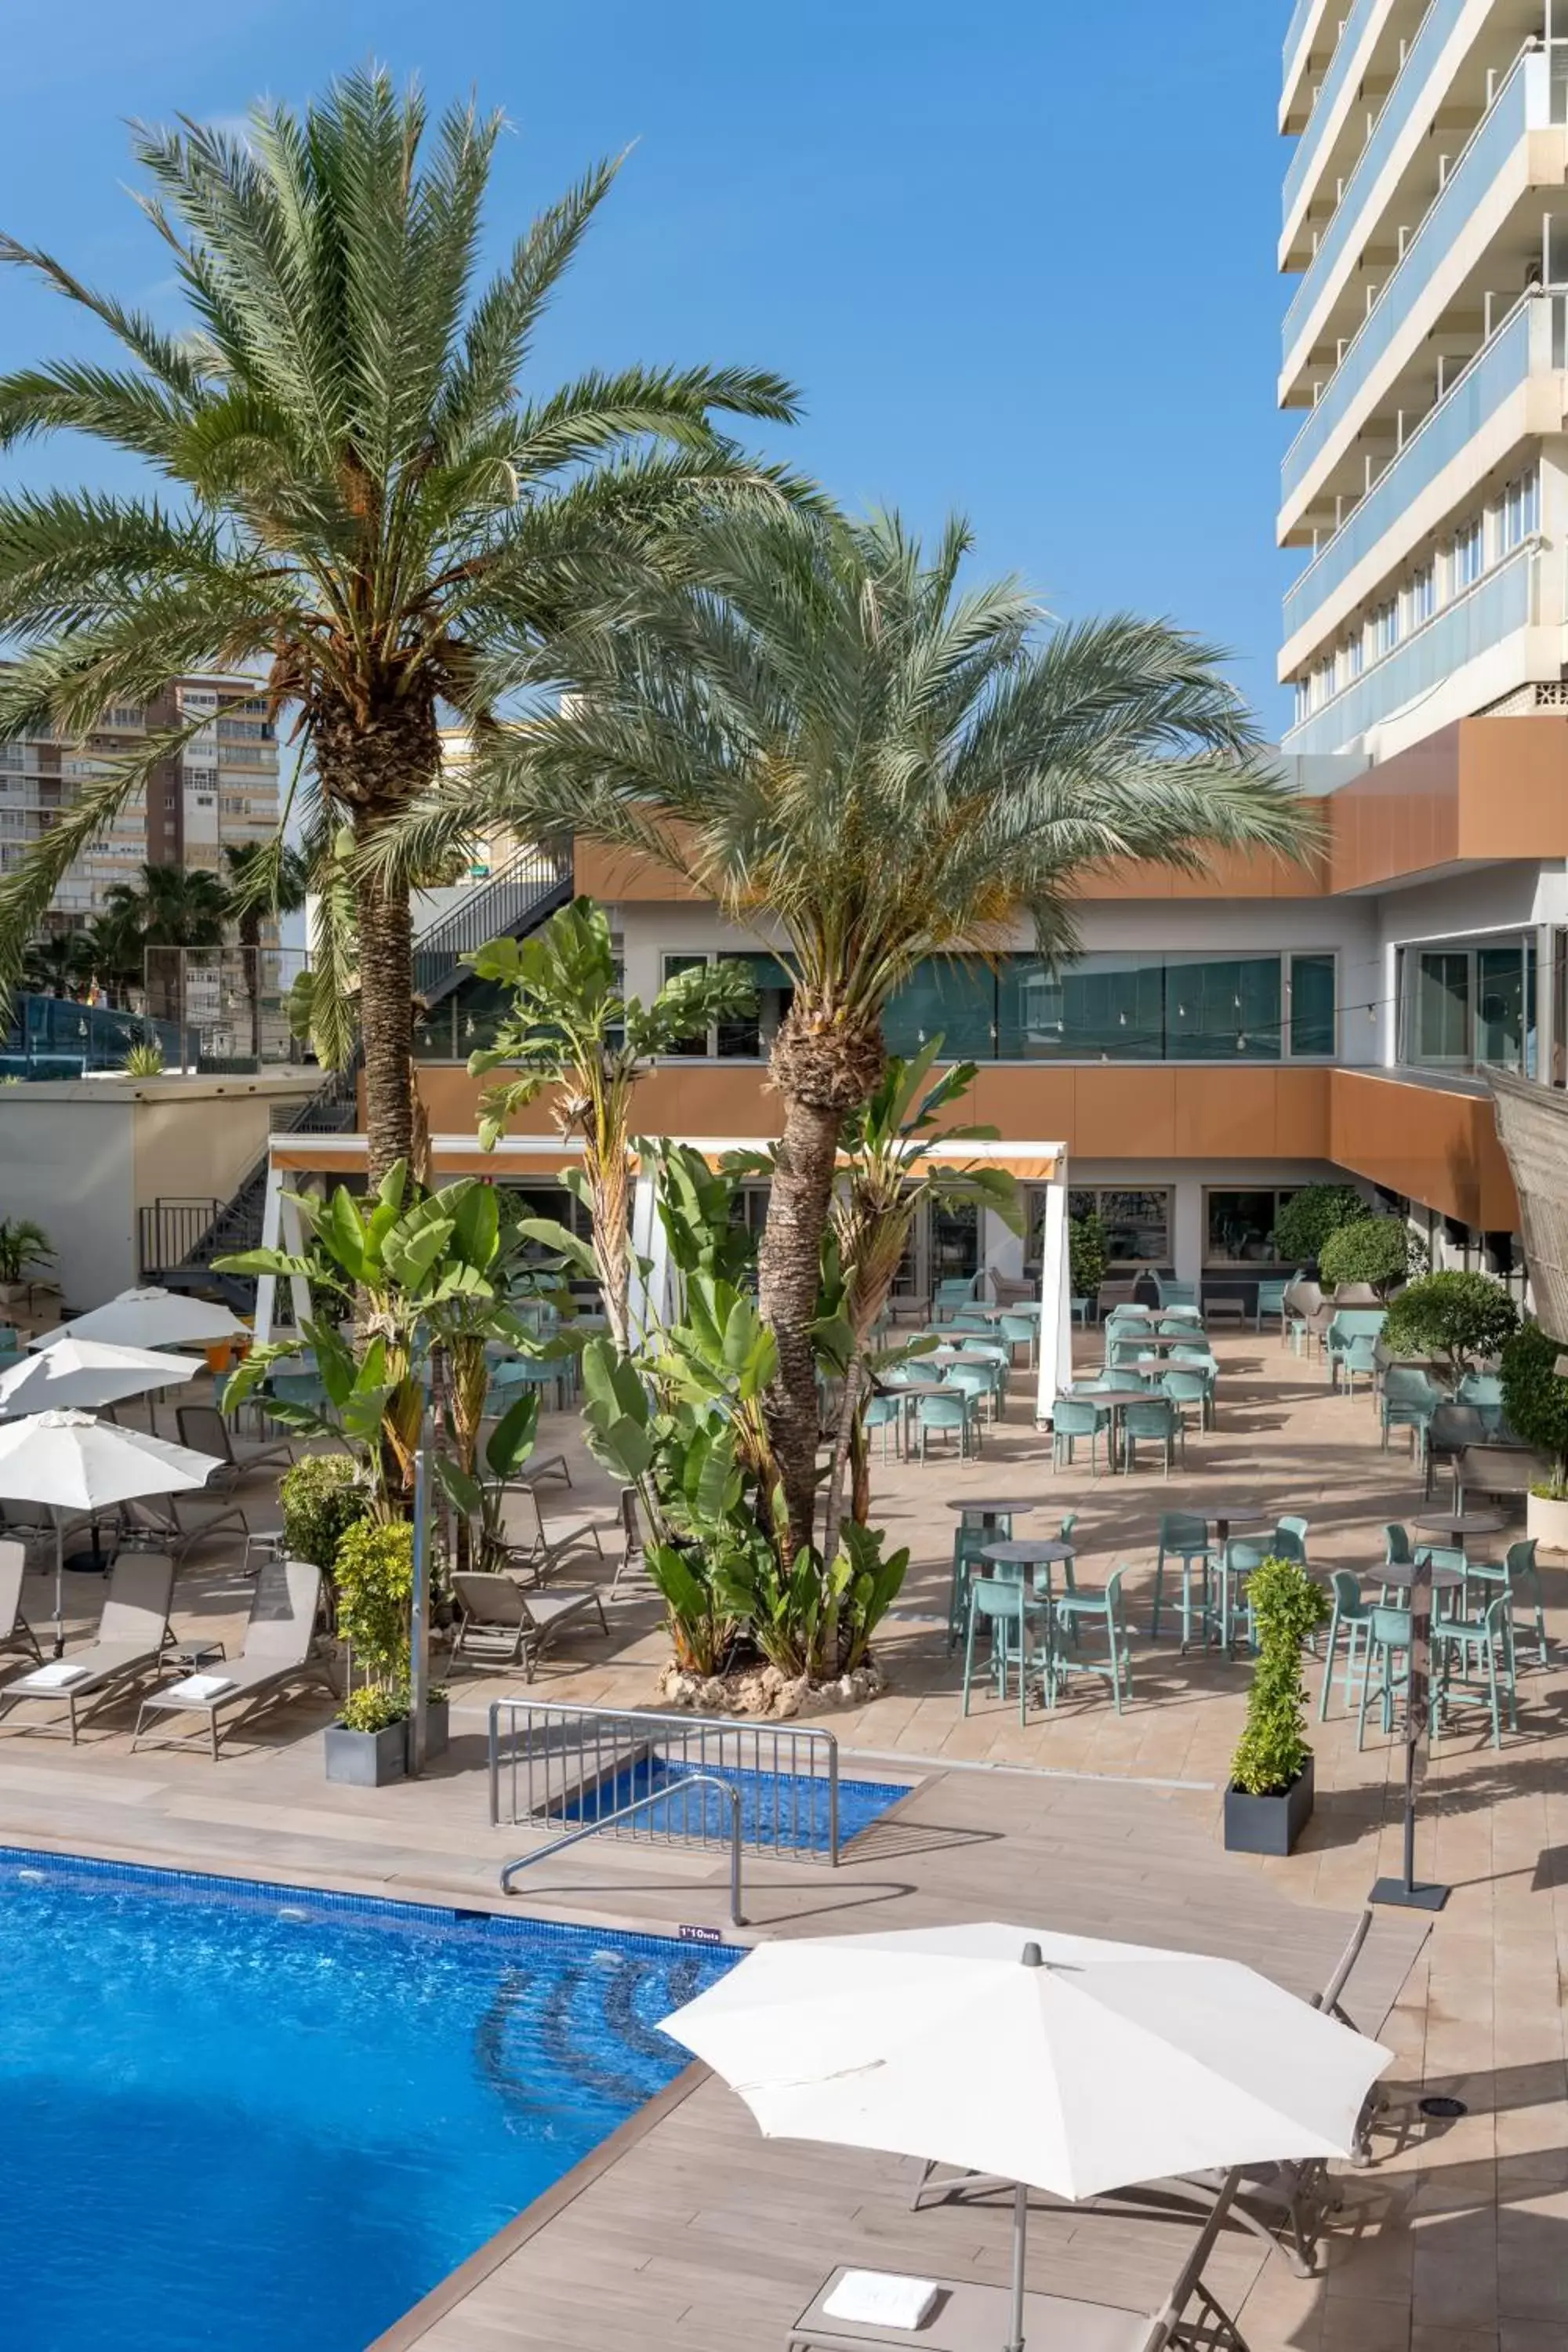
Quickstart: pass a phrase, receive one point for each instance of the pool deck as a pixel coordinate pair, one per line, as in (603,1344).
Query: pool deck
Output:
(689,2230)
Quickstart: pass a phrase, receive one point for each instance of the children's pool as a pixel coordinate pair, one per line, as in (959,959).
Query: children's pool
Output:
(233,2114)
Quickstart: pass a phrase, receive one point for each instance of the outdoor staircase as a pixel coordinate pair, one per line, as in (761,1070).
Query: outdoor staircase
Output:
(528,887)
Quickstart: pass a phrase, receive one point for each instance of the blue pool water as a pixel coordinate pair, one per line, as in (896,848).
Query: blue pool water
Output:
(243,2118)
(777,1808)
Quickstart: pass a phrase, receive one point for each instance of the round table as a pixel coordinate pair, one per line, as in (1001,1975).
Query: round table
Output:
(1460,1524)
(1024,1306)
(1237,1515)
(1118,1399)
(1190,1337)
(1401,1574)
(1045,1554)
(989,1508)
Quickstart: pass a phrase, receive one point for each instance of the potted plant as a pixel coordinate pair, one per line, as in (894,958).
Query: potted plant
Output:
(1535,1407)
(22,1244)
(1268,1798)
(323,1495)
(1311,1216)
(1379,1251)
(1463,1317)
(368,1745)
(1087,1254)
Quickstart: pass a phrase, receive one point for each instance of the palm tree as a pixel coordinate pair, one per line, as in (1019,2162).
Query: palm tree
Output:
(171,907)
(56,963)
(357,493)
(264,879)
(836,741)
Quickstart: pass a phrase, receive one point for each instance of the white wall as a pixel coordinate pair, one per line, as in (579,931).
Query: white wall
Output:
(69,1165)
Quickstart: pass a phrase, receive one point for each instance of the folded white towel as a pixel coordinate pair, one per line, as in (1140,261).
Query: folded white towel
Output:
(199,1688)
(880,2299)
(57,1675)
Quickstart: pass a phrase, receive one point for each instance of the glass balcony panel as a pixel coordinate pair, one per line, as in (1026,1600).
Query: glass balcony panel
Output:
(1520,105)
(1398,108)
(1312,1005)
(1304,159)
(1504,602)
(1229,1007)
(948,998)
(1443,1008)
(1500,1006)
(1492,378)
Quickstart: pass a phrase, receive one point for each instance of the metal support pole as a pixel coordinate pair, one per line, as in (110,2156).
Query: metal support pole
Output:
(419,1615)
(1404,1892)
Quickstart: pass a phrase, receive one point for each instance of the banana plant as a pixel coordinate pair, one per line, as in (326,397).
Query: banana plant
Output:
(480,1498)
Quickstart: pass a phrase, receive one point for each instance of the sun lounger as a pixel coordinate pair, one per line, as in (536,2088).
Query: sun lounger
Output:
(204,1431)
(15,1633)
(498,1622)
(968,2317)
(548,1542)
(276,1653)
(178,1523)
(132,1632)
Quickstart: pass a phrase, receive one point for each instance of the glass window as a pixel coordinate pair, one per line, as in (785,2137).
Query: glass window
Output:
(1240,1227)
(749,1035)
(1423,595)
(1500,1006)
(672,964)
(1519,515)
(1137,1223)
(1215,1010)
(1443,1007)
(1312,1005)
(1468,558)
(1101,1005)
(945,997)
(954,1240)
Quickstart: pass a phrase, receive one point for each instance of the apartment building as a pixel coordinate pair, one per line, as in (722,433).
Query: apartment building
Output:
(1225,1039)
(221,790)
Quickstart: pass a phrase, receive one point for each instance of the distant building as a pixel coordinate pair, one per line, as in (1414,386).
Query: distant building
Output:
(221,791)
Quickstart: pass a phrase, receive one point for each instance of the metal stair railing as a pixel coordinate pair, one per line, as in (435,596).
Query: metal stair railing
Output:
(529,885)
(703,1780)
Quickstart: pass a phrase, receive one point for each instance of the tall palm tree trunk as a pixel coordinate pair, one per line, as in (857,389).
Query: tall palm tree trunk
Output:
(386,1020)
(789,1279)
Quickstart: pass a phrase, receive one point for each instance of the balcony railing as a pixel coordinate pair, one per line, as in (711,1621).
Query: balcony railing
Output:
(1304,161)
(1497,605)
(1398,108)
(1522,104)
(1300,17)
(1521,347)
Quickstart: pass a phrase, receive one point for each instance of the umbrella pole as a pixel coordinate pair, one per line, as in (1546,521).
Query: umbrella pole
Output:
(59,1584)
(1020,2230)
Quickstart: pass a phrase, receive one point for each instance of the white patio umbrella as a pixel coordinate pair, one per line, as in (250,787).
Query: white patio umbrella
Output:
(148,1319)
(76,1375)
(74,1464)
(1062,2062)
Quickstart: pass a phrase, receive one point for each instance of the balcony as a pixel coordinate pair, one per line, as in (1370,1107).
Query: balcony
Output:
(1527,347)
(1407,103)
(1492,172)
(1303,21)
(1502,604)
(1344,72)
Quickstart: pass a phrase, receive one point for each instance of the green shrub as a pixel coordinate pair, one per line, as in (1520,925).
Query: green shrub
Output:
(1286,1605)
(1378,1250)
(144,1062)
(1535,1399)
(1460,1315)
(375,1588)
(1311,1216)
(322,1496)
(374,1706)
(1087,1254)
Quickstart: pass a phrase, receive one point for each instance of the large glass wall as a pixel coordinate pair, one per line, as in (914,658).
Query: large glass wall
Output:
(1463,1006)
(1124,1007)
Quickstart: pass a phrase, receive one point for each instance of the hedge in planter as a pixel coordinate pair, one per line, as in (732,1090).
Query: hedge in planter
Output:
(1460,1315)
(1535,1401)
(1087,1255)
(1311,1216)
(322,1496)
(1375,1250)
(1272,1761)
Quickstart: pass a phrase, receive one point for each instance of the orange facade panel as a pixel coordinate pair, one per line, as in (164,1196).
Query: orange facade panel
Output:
(1481,790)
(1437,1148)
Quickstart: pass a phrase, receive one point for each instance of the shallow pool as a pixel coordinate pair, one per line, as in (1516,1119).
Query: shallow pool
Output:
(236,2115)
(786,1809)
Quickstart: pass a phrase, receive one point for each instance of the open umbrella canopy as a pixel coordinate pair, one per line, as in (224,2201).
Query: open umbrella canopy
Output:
(74,1463)
(1103,2066)
(76,1373)
(148,1319)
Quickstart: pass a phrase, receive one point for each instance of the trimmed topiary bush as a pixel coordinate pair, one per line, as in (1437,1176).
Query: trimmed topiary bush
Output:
(1460,1316)
(1535,1399)
(1378,1250)
(322,1496)
(1272,1753)
(1311,1216)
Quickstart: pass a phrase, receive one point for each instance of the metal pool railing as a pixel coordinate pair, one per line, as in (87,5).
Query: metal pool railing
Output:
(724,1790)
(557,1767)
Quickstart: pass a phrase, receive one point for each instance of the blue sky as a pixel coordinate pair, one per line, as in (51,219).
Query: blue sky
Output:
(1020,257)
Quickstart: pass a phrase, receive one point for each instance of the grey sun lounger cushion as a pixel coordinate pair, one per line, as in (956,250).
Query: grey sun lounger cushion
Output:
(131,1636)
(970,2318)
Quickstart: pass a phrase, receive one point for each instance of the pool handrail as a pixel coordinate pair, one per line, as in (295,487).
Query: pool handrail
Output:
(726,1789)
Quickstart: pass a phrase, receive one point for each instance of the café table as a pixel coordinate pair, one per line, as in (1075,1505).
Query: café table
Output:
(1458,1525)
(1043,1552)
(1118,1399)
(989,1508)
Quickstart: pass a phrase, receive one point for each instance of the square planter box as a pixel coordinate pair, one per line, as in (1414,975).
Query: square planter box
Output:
(437,1723)
(366,1759)
(1268,1824)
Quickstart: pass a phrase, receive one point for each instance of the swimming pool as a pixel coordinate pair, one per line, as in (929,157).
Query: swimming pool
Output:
(239,2115)
(785,1810)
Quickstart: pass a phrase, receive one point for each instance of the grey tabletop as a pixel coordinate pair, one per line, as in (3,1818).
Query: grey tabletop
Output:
(1238,1515)
(1193,1336)
(1114,1396)
(1023,1554)
(921,1389)
(1462,1523)
(1021,1307)
(1402,1573)
(986,1507)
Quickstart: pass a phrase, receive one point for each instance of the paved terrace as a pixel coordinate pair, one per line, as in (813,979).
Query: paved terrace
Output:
(691,2231)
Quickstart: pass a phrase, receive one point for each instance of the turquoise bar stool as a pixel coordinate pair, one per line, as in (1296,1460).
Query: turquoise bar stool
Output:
(1184,1537)
(1515,1571)
(1351,1615)
(1001,1609)
(1084,1609)
(969,1542)
(1475,1655)
(1241,1555)
(1388,1652)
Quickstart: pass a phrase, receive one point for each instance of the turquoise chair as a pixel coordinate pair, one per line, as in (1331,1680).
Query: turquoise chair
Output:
(1067,1566)
(1175,1294)
(1483,1390)
(1410,1398)
(1185,1384)
(970,1318)
(969,1542)
(1184,1536)
(1076,1417)
(996,1355)
(1271,1298)
(1475,1656)
(1155,1421)
(977,1383)
(1388,1651)
(1124,1351)
(1193,1352)
(1004,1609)
(1516,1570)
(1398,1551)
(1290,1540)
(952,1295)
(1082,1608)
(1351,1615)
(1356,1358)
(945,1414)
(1241,1555)
(1023,1331)
(10,1341)
(884,1413)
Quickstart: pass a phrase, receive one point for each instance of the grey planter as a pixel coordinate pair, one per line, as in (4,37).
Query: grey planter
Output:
(1268,1824)
(366,1759)
(437,1722)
